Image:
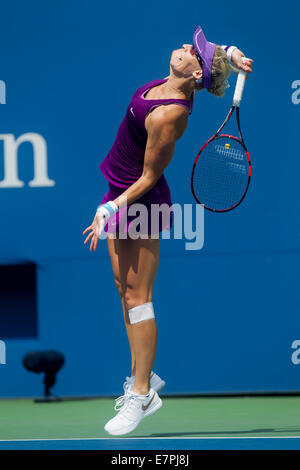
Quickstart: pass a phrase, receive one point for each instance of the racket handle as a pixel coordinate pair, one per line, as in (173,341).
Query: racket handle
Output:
(239,87)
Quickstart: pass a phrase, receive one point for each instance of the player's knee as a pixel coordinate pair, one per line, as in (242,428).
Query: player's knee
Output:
(134,298)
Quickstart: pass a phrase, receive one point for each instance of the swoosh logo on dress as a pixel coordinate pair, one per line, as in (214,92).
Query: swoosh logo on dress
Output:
(131,109)
(144,408)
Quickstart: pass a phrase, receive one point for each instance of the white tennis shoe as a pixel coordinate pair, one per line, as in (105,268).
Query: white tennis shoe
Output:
(134,409)
(155,382)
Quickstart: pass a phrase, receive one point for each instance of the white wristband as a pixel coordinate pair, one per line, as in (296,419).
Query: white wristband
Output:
(108,209)
(229,50)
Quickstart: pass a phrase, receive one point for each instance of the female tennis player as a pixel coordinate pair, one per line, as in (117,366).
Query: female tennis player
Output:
(156,118)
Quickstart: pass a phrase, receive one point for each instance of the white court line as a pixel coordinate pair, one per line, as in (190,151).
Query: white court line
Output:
(147,438)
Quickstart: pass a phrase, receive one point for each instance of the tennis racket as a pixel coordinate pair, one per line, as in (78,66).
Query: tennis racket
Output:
(222,169)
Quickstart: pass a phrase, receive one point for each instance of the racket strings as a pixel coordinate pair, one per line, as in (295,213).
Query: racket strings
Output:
(221,173)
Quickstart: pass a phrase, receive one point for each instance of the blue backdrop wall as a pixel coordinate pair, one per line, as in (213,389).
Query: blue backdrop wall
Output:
(227,314)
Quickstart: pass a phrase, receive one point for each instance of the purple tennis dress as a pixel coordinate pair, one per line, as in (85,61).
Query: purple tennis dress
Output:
(124,165)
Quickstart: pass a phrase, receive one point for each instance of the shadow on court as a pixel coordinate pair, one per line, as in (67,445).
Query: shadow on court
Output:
(221,433)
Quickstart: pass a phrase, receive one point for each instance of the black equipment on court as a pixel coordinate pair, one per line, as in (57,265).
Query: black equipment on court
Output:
(49,363)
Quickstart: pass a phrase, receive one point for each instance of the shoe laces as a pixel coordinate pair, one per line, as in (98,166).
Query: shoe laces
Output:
(119,402)
(131,403)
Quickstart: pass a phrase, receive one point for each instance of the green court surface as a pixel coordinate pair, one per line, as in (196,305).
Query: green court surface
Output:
(230,417)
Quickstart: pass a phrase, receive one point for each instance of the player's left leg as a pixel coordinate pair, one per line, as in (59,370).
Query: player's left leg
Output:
(114,258)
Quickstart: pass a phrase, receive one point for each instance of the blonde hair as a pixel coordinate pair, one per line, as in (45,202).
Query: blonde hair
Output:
(221,69)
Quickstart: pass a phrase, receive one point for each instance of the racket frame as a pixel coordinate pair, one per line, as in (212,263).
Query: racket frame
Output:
(240,141)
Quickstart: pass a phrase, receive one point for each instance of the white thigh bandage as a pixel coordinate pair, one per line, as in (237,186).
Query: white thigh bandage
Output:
(141,313)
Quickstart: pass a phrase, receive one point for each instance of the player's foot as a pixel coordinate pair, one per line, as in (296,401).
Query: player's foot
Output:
(155,382)
(135,408)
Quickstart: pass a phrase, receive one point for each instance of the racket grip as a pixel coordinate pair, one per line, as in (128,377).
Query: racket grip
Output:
(239,87)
